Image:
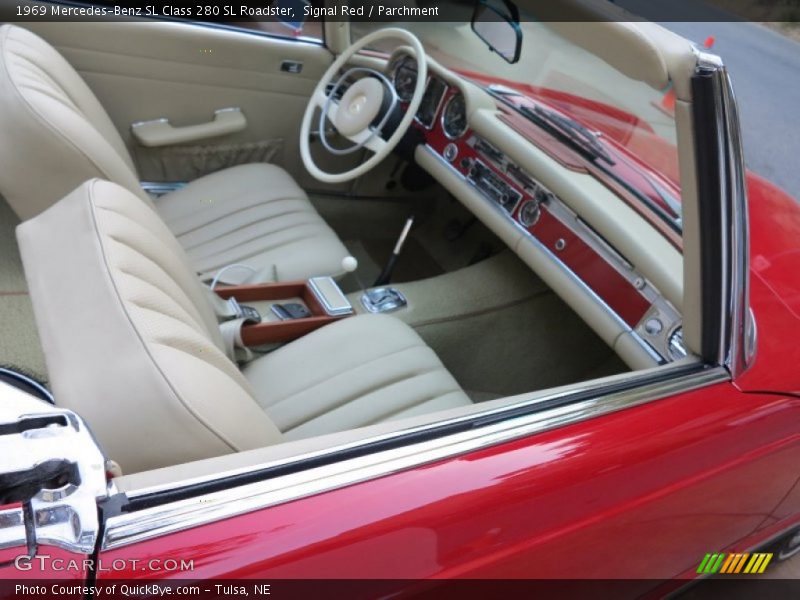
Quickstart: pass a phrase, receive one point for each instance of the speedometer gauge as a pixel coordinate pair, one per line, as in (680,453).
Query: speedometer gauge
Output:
(405,79)
(454,117)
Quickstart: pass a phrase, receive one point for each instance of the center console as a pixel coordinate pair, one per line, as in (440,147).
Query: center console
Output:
(288,310)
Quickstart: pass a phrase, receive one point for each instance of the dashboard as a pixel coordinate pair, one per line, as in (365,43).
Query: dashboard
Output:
(546,221)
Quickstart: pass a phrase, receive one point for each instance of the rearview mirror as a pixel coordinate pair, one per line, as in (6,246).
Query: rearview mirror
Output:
(498,27)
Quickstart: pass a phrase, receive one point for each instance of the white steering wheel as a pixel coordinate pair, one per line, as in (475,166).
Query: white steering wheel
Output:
(354,114)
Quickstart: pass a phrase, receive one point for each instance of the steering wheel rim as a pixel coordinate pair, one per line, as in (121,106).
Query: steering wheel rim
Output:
(366,137)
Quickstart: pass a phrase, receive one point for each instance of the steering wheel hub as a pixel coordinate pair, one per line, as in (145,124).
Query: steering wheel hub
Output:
(359,106)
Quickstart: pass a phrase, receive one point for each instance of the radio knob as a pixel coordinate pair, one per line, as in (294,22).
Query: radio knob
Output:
(450,152)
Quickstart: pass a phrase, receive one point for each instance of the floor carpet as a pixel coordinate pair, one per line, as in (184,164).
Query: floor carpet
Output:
(20,348)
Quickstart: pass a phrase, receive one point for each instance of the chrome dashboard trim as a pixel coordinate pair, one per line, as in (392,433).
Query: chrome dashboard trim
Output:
(139,525)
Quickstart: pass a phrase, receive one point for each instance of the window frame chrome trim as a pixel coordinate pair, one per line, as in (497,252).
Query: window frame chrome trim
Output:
(736,347)
(139,525)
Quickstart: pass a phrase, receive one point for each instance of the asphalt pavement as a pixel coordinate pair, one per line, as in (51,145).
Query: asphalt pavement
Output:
(765,70)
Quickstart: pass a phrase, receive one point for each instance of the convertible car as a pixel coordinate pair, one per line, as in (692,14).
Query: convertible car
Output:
(493,298)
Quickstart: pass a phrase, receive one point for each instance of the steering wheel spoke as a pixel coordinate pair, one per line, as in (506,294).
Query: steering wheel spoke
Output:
(324,103)
(370,139)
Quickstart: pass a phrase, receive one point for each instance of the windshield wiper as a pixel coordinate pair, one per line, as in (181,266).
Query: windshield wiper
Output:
(568,131)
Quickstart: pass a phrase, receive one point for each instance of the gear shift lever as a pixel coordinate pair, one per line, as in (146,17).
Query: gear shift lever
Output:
(386,275)
(349,265)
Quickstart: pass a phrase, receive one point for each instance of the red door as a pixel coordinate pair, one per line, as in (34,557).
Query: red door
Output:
(641,493)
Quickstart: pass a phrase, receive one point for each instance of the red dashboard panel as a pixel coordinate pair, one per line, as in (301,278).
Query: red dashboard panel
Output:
(560,239)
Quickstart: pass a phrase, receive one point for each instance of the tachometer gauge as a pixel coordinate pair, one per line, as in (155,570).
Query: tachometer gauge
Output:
(529,213)
(405,80)
(454,117)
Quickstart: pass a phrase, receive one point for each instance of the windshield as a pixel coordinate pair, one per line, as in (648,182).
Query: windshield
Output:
(631,116)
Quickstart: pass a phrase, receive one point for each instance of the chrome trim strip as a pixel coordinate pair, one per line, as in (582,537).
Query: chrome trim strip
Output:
(128,528)
(736,348)
(739,355)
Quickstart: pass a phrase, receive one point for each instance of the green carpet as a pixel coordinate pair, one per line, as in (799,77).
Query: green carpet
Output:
(19,342)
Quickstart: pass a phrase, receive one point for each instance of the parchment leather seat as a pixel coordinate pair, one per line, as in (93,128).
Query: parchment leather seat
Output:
(55,134)
(132,344)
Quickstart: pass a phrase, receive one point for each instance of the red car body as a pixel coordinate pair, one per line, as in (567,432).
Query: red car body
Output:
(641,493)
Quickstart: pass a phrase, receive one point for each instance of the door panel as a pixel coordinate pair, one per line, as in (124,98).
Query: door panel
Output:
(150,69)
(642,493)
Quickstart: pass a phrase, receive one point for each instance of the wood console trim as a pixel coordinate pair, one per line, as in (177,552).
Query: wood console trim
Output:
(273,332)
(282,331)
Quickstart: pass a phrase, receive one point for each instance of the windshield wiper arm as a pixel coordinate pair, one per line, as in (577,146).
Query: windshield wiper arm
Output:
(569,131)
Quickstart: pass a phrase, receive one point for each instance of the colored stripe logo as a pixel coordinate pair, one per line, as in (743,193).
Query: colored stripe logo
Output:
(735,562)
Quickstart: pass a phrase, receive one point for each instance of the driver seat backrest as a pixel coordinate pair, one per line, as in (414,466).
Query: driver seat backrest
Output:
(126,300)
(56,134)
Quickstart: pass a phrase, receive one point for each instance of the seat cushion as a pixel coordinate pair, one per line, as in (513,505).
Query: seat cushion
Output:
(355,372)
(253,214)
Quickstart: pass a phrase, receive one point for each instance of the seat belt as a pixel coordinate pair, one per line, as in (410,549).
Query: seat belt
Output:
(231,317)
(232,339)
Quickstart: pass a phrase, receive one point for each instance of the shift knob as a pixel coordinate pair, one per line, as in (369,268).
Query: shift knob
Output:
(349,264)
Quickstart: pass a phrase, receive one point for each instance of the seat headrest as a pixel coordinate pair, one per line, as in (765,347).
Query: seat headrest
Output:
(130,340)
(56,134)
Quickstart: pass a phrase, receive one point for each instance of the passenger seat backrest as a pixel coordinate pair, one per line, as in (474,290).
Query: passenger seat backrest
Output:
(130,339)
(54,133)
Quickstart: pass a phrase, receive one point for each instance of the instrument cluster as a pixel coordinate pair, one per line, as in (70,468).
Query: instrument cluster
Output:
(403,74)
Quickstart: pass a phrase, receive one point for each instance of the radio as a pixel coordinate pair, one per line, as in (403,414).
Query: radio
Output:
(493,186)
